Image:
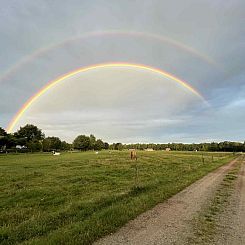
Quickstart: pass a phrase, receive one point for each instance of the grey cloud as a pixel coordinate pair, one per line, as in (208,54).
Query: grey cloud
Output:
(215,28)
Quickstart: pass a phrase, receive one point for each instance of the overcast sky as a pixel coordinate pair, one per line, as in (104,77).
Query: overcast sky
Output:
(201,42)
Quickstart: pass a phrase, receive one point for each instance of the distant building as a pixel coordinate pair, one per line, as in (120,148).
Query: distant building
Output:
(149,149)
(168,149)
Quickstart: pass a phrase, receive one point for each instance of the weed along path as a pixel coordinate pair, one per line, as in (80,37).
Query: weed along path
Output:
(171,222)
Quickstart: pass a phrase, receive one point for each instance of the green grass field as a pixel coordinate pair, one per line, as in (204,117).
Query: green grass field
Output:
(76,198)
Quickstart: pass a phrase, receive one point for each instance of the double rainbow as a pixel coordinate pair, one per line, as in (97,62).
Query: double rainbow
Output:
(52,83)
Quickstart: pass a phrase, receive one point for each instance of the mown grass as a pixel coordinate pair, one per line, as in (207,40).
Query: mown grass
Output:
(75,198)
(206,224)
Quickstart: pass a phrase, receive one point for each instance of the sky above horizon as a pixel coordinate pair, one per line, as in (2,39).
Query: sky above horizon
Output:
(200,42)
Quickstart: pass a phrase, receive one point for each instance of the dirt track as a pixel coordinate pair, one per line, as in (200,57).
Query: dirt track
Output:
(232,221)
(170,222)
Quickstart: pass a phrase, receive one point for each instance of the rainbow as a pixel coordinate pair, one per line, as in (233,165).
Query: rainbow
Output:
(52,83)
(42,51)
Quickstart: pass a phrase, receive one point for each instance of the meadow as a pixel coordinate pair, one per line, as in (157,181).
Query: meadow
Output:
(75,198)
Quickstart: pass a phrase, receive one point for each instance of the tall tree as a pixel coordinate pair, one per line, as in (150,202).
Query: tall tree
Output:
(51,143)
(30,132)
(92,142)
(2,132)
(34,145)
(82,142)
(99,145)
(118,146)
(106,146)
(65,146)
(7,141)
(3,138)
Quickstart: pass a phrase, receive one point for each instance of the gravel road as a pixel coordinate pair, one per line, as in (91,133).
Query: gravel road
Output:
(232,221)
(170,222)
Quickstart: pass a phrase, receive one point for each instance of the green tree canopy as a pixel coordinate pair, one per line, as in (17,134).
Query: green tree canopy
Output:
(106,146)
(118,146)
(2,132)
(99,145)
(34,145)
(65,146)
(82,142)
(51,143)
(30,132)
(92,142)
(7,141)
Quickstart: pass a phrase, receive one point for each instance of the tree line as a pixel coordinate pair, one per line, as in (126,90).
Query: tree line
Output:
(31,139)
(225,146)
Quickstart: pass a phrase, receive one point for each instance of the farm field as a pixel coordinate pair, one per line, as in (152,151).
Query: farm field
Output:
(75,198)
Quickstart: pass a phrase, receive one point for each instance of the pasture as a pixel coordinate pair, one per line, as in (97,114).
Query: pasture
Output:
(76,198)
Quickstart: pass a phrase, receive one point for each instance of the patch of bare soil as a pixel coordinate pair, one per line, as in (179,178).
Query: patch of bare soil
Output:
(170,222)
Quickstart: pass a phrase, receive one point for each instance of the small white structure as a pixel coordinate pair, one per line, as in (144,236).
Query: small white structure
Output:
(56,153)
(96,152)
(20,147)
(149,149)
(168,149)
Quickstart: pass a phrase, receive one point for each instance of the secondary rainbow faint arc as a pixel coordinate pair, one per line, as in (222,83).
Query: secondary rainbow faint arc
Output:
(52,83)
(29,58)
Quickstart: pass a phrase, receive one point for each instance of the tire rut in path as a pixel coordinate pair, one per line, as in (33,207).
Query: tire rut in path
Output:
(169,222)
